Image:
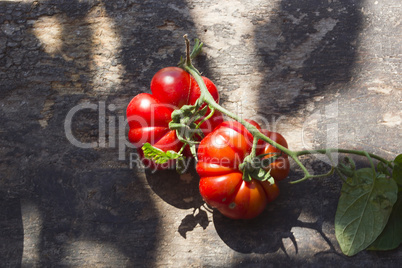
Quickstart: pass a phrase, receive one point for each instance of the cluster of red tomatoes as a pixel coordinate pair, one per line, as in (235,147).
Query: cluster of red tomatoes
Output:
(220,152)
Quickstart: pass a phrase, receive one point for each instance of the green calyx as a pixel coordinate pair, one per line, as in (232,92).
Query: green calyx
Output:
(257,167)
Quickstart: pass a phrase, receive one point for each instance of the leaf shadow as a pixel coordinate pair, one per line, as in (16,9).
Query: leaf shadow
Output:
(307,49)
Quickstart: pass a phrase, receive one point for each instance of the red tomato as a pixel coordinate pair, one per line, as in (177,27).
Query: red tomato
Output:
(149,115)
(221,184)
(171,85)
(279,168)
(196,92)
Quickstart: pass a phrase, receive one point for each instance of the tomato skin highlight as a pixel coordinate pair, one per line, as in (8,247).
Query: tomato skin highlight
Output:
(221,182)
(148,115)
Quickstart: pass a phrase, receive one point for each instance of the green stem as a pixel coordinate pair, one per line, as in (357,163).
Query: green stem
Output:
(206,118)
(308,176)
(345,151)
(253,149)
(207,97)
(182,148)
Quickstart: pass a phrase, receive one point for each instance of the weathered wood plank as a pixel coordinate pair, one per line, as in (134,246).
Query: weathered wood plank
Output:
(323,73)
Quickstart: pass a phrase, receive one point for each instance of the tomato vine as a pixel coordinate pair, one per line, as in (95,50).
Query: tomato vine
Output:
(369,207)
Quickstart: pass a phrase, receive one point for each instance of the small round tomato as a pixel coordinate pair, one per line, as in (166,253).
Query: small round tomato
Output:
(149,115)
(279,169)
(171,85)
(221,181)
(196,91)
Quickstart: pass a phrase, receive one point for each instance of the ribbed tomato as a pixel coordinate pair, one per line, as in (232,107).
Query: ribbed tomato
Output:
(221,181)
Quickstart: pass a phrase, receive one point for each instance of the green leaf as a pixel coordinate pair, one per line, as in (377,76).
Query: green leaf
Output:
(159,156)
(347,167)
(363,210)
(398,160)
(382,168)
(397,170)
(391,236)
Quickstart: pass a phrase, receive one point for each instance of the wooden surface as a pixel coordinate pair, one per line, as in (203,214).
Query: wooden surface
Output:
(323,73)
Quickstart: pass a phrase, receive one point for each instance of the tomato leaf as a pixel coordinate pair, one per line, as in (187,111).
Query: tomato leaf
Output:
(347,167)
(363,210)
(391,237)
(397,170)
(382,168)
(159,156)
